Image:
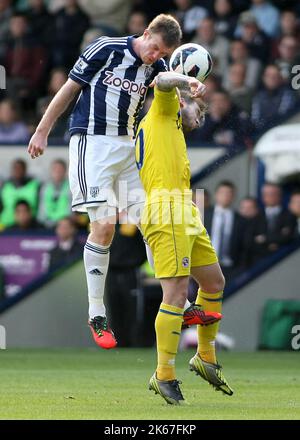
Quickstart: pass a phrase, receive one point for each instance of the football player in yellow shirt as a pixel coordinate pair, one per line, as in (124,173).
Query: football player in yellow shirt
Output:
(173,229)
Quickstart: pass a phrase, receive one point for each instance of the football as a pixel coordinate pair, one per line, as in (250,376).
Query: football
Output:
(191,59)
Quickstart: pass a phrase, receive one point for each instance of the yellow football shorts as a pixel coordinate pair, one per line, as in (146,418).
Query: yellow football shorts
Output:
(177,238)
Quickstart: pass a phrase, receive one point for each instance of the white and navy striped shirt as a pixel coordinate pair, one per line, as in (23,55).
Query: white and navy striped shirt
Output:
(114,84)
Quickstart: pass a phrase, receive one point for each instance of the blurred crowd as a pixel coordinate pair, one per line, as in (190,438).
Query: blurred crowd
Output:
(241,236)
(254,45)
(244,233)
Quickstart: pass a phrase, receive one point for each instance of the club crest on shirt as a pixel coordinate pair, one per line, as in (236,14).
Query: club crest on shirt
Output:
(185,262)
(94,191)
(148,71)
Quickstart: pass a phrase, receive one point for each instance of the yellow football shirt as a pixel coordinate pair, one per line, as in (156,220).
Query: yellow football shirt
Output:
(161,154)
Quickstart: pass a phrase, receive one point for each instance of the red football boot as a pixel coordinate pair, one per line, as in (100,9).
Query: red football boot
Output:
(195,315)
(102,333)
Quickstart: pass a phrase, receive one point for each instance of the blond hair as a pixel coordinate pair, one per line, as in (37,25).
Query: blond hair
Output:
(186,95)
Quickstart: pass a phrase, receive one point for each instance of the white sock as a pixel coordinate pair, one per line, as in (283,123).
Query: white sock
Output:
(96,260)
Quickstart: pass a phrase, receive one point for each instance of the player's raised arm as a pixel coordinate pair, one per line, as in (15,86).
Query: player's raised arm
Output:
(166,81)
(57,106)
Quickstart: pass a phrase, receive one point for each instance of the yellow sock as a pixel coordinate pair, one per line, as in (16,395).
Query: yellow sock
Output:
(211,302)
(168,329)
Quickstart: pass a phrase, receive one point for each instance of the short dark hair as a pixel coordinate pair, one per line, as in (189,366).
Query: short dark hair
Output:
(250,199)
(275,185)
(20,162)
(24,203)
(68,219)
(169,29)
(227,183)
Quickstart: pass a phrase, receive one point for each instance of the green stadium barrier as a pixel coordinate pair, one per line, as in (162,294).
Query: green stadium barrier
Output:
(278,319)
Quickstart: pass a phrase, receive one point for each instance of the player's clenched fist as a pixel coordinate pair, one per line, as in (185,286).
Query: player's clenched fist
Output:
(37,145)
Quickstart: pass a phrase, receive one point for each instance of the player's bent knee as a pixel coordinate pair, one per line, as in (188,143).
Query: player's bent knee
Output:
(102,233)
(214,287)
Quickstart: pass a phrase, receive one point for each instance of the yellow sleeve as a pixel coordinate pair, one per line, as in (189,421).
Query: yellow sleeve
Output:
(165,103)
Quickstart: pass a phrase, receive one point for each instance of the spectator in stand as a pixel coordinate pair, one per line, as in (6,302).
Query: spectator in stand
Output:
(294,208)
(25,62)
(19,187)
(137,23)
(217,45)
(240,94)
(225,18)
(239,54)
(248,207)
(189,17)
(256,40)
(267,16)
(280,223)
(55,198)
(225,124)
(68,249)
(110,15)
(6,12)
(255,231)
(226,229)
(24,221)
(273,101)
(12,130)
(58,77)
(70,24)
(288,49)
(289,27)
(212,84)
(89,36)
(155,7)
(40,21)
(289,24)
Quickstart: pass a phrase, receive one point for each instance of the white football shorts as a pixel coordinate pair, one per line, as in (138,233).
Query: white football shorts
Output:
(103,172)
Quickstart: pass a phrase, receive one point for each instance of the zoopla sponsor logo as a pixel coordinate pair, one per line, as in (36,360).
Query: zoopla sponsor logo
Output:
(2,338)
(124,84)
(2,78)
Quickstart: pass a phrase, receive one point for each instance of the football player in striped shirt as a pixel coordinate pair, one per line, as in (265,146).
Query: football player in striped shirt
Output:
(110,80)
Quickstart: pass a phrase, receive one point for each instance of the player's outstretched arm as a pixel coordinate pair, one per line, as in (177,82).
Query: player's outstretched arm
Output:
(166,81)
(57,106)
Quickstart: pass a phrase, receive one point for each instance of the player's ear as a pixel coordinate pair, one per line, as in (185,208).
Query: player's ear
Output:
(182,102)
(146,33)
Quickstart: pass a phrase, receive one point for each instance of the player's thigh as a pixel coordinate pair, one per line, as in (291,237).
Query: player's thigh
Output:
(128,188)
(203,252)
(168,241)
(95,162)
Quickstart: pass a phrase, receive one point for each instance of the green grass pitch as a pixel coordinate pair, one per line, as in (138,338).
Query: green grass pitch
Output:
(110,385)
